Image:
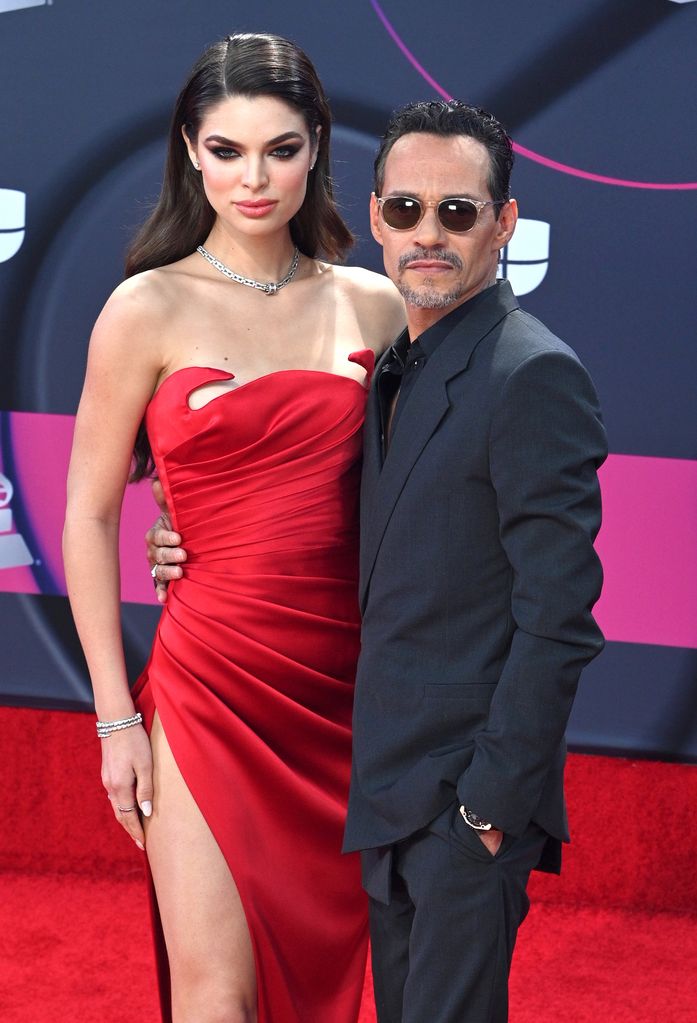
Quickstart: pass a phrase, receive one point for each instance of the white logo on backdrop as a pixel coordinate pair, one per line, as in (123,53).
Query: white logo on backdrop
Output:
(17,5)
(12,209)
(525,259)
(683,1)
(13,550)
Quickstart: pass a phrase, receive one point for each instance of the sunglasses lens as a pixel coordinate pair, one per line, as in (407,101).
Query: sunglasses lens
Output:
(457,215)
(401,213)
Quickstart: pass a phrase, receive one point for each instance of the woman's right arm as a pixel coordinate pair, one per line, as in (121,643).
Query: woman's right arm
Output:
(122,370)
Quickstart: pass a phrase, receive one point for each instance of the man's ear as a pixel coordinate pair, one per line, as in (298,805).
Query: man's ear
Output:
(375,220)
(508,218)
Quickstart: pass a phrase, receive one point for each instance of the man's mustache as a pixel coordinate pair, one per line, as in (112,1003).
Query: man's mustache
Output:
(443,255)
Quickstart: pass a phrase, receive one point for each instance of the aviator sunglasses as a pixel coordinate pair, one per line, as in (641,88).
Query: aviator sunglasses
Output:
(404,213)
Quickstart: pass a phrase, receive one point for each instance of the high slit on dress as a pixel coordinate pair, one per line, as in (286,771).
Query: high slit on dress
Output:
(253,664)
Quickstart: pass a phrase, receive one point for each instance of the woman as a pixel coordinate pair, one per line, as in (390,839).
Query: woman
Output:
(247,358)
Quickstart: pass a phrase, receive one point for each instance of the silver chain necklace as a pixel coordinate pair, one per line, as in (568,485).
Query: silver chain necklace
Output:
(268,289)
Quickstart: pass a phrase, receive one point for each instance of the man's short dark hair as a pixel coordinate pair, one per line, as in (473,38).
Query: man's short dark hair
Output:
(452,117)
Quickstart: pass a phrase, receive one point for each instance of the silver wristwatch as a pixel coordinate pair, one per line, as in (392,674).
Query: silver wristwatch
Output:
(474,820)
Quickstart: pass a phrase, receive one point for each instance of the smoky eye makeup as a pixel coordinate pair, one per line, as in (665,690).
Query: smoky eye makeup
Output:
(284,146)
(223,152)
(286,152)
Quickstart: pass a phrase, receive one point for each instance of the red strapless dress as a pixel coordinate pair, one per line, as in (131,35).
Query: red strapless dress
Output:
(253,665)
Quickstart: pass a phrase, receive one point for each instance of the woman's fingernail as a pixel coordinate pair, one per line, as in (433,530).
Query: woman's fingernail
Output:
(146,807)
(140,845)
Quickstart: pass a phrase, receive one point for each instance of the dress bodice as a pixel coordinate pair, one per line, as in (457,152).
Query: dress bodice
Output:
(267,465)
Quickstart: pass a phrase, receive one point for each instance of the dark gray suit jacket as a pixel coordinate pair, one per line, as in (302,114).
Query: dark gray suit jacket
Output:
(478,577)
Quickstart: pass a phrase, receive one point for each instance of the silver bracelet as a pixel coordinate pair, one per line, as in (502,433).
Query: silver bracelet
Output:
(105,728)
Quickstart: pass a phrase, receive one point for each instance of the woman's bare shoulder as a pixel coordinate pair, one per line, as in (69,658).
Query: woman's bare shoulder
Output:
(376,301)
(362,281)
(132,325)
(147,301)
(147,294)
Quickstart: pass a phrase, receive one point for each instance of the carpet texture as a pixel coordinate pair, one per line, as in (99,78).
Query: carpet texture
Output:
(615,938)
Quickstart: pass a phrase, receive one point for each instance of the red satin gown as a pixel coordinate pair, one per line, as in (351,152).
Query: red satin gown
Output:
(252,668)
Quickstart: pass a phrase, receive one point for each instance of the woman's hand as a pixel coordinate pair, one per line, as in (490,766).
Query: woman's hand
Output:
(127,778)
(163,551)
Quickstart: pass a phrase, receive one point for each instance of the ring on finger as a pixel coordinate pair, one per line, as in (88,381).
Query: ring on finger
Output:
(125,809)
(153,573)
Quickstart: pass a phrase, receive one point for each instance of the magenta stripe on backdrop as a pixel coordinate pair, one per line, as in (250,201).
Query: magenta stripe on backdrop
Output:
(528,154)
(648,543)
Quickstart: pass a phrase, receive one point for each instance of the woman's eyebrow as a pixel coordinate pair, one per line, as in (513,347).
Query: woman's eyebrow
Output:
(271,142)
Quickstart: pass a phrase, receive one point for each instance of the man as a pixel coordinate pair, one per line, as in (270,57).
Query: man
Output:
(480,504)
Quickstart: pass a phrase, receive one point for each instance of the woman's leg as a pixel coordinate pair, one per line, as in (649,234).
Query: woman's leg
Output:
(208,943)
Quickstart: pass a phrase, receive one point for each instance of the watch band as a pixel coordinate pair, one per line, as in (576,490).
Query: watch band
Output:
(474,820)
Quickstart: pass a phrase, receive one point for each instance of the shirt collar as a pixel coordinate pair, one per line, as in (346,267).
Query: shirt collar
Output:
(432,337)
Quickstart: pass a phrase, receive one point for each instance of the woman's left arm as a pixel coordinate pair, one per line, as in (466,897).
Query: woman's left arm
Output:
(379,309)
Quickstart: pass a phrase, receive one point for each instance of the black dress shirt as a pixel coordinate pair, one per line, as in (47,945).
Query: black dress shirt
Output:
(405,362)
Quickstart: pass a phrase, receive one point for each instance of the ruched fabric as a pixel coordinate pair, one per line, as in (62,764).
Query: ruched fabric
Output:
(252,668)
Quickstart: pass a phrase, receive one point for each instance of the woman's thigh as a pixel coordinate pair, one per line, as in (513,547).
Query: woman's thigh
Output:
(208,942)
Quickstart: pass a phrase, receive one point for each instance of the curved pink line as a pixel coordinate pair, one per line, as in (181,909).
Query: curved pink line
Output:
(529,154)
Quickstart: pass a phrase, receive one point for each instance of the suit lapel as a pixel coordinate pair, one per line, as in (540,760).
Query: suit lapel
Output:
(428,403)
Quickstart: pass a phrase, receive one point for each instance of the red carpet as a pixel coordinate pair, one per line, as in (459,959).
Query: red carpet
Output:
(614,939)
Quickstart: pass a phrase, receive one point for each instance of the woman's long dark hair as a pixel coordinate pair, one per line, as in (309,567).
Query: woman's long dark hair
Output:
(244,64)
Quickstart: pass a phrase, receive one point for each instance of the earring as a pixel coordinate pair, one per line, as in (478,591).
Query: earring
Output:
(197,165)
